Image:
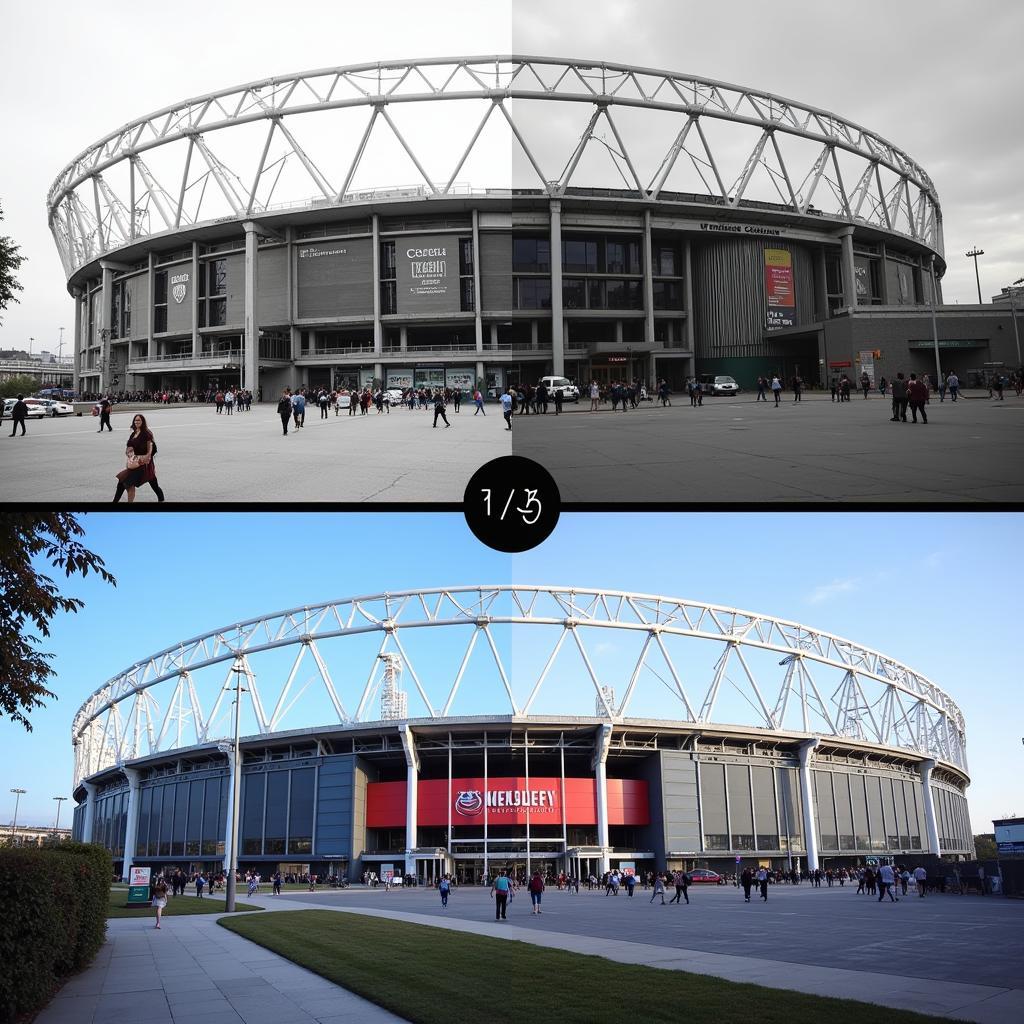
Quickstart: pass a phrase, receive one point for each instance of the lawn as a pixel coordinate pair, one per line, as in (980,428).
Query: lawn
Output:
(176,906)
(427,975)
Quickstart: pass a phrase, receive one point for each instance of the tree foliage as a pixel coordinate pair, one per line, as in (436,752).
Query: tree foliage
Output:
(10,261)
(28,596)
(985,846)
(23,384)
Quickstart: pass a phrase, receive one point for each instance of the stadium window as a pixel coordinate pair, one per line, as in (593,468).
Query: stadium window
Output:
(574,294)
(387,261)
(465,256)
(160,302)
(532,292)
(666,260)
(388,297)
(466,301)
(596,294)
(531,255)
(668,295)
(579,256)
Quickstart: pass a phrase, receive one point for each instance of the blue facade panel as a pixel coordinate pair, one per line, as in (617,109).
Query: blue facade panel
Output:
(334,807)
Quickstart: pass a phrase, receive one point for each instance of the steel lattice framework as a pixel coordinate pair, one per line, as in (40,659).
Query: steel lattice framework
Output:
(168,700)
(851,173)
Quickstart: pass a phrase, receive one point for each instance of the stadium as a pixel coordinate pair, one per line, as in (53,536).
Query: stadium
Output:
(471,729)
(489,220)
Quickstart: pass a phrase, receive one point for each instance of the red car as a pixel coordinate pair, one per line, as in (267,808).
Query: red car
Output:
(702,875)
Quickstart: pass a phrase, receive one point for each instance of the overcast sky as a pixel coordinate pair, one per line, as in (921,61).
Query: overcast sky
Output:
(940,79)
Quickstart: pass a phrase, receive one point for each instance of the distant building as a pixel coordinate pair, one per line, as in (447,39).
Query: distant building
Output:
(27,835)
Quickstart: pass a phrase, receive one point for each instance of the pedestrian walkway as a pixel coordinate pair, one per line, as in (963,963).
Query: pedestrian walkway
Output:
(192,971)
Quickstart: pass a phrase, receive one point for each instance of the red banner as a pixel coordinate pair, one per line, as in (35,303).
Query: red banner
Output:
(778,277)
(507,802)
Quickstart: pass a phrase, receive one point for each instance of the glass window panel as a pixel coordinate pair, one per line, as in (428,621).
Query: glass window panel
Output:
(765,819)
(531,255)
(122,822)
(300,815)
(910,799)
(155,822)
(277,812)
(194,829)
(595,294)
(712,804)
(167,821)
(252,813)
(211,818)
(740,813)
(790,807)
(875,819)
(844,815)
(574,295)
(892,832)
(180,811)
(666,261)
(826,812)
(142,833)
(615,258)
(860,813)
(218,277)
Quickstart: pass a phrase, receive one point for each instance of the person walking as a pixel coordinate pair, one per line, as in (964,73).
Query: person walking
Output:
(886,881)
(865,383)
(630,884)
(917,395)
(500,889)
(478,400)
(777,389)
(138,453)
(677,881)
(904,880)
(997,385)
(558,398)
(506,407)
(595,394)
(105,407)
(798,386)
(277,883)
(159,897)
(536,888)
(747,881)
(229,401)
(456,398)
(920,879)
(899,399)
(953,383)
(762,881)
(284,409)
(299,409)
(439,408)
(659,888)
(200,884)
(19,413)
(323,400)
(762,388)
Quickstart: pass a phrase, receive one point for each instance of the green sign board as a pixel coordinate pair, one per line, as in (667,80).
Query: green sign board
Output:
(138,886)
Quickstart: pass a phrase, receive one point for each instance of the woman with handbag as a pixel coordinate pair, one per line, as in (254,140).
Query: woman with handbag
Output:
(139,452)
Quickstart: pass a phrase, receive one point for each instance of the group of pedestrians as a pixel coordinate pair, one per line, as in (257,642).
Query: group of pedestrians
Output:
(225,402)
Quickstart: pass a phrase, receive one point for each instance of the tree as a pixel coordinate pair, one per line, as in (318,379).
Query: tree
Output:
(23,384)
(985,846)
(26,594)
(10,261)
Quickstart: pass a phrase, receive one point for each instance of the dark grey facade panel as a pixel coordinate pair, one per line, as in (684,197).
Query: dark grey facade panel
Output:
(712,799)
(336,278)
(272,289)
(234,267)
(334,807)
(137,289)
(766,819)
(680,811)
(495,270)
(741,815)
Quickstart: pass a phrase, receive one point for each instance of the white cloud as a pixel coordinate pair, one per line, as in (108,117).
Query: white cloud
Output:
(826,591)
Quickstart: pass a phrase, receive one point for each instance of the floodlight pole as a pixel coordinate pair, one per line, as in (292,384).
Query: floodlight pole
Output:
(975,253)
(236,789)
(60,800)
(935,328)
(18,793)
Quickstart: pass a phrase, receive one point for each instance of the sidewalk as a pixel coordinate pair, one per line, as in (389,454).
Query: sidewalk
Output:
(195,972)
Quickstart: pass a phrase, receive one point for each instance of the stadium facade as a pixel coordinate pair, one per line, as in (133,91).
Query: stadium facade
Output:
(620,223)
(876,769)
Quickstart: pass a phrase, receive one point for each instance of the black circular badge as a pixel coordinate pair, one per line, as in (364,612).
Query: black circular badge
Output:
(511,503)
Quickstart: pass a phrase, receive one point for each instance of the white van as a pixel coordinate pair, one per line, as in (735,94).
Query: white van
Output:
(570,393)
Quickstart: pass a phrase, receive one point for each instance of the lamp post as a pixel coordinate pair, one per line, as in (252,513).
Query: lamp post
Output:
(18,793)
(229,896)
(60,345)
(31,342)
(60,800)
(1011,293)
(935,328)
(975,253)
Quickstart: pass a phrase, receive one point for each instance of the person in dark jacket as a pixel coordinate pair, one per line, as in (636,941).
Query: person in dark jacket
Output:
(284,409)
(105,406)
(917,394)
(19,413)
(899,399)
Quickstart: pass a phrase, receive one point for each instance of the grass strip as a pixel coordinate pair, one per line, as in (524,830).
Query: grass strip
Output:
(176,906)
(433,975)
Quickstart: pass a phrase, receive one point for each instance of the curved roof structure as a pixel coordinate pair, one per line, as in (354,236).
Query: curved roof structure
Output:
(660,132)
(516,651)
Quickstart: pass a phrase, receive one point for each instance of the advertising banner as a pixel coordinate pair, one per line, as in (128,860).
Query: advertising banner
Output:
(460,377)
(627,867)
(138,885)
(780,296)
(399,379)
(387,873)
(335,278)
(427,272)
(867,364)
(507,801)
(365,376)
(429,377)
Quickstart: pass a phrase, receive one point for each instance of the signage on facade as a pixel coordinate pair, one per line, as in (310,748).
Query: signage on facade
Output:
(399,379)
(1010,847)
(867,364)
(741,229)
(179,286)
(507,801)
(427,273)
(334,279)
(461,377)
(780,295)
(138,885)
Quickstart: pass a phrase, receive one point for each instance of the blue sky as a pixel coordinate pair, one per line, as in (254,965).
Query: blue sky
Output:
(937,592)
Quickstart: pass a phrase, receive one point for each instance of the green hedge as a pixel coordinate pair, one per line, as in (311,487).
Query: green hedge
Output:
(52,921)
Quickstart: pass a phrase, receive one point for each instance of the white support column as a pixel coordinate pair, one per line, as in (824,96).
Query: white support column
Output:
(378,329)
(76,345)
(846,264)
(229,750)
(197,345)
(90,811)
(412,771)
(648,268)
(251,339)
(930,825)
(478,323)
(103,326)
(602,742)
(131,829)
(557,331)
(807,801)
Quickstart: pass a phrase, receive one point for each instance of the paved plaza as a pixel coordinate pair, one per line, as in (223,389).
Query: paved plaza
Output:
(741,450)
(203,457)
(953,956)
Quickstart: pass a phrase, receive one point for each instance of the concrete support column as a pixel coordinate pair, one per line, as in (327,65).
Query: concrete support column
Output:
(602,742)
(481,379)
(821,287)
(494,337)
(90,810)
(688,288)
(251,339)
(131,828)
(807,801)
(931,826)
(403,339)
(648,269)
(378,373)
(378,330)
(557,331)
(229,750)
(103,325)
(478,323)
(196,343)
(846,263)
(412,764)
(76,344)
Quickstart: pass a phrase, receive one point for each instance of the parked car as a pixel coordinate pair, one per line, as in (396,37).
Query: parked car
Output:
(718,384)
(705,876)
(570,393)
(35,411)
(52,406)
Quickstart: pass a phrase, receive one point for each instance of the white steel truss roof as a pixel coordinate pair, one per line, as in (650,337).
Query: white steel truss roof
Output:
(823,684)
(113,193)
